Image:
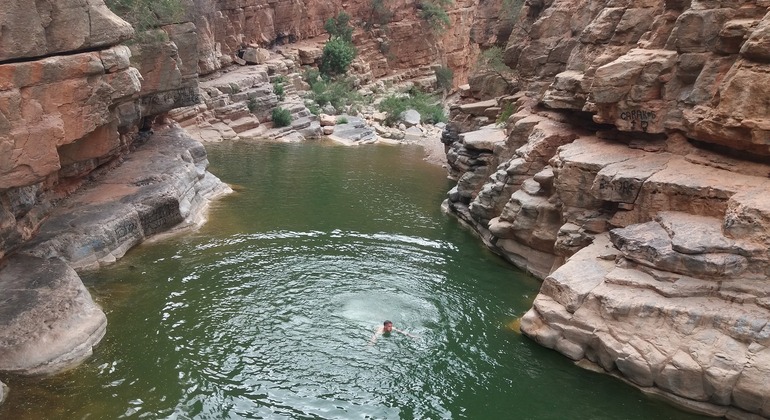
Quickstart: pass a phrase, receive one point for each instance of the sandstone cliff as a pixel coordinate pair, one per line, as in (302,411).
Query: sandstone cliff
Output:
(632,178)
(74,105)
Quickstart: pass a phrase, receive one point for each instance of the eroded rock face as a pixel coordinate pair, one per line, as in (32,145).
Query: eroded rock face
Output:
(38,122)
(229,29)
(37,29)
(161,185)
(62,116)
(652,67)
(71,104)
(631,180)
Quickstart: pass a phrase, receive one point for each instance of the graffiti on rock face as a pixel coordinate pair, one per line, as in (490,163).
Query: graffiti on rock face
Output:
(624,187)
(638,116)
(125,228)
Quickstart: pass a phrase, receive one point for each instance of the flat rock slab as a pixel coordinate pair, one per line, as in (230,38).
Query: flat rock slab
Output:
(485,139)
(649,244)
(48,321)
(354,130)
(478,108)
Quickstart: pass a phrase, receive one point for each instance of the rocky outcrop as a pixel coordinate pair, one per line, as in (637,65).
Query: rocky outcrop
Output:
(72,105)
(163,185)
(632,179)
(63,116)
(45,290)
(43,28)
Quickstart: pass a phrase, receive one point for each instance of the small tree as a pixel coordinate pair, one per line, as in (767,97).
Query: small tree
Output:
(339,52)
(337,56)
(492,61)
(339,27)
(434,12)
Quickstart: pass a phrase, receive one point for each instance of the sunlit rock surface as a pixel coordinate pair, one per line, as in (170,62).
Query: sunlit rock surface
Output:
(633,180)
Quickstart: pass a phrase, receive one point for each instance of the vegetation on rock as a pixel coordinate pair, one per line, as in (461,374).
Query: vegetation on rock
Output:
(506,113)
(324,91)
(434,13)
(339,27)
(339,52)
(511,9)
(281,117)
(491,61)
(337,56)
(430,108)
(444,78)
(278,88)
(145,15)
(379,14)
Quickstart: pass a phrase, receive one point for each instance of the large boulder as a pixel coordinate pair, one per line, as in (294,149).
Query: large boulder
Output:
(49,321)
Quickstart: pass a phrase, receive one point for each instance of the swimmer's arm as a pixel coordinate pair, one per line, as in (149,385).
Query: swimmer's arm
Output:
(405,333)
(377,332)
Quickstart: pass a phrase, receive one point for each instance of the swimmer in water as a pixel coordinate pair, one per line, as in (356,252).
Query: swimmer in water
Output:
(386,329)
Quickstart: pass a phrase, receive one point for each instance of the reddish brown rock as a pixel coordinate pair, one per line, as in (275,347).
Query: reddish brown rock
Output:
(36,29)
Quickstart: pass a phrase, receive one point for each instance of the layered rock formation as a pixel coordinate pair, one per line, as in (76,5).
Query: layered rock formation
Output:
(389,46)
(73,102)
(631,178)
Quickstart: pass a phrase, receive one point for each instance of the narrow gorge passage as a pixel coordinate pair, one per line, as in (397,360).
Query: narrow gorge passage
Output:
(267,311)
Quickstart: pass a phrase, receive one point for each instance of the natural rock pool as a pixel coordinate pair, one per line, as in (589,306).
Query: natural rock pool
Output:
(268,309)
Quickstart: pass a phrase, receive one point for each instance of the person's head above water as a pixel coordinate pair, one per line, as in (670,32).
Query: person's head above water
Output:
(387,326)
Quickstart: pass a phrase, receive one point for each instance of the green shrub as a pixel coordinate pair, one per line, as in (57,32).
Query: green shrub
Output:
(506,112)
(252,104)
(279,90)
(281,117)
(145,15)
(235,87)
(444,78)
(337,56)
(342,120)
(434,13)
(313,107)
(338,93)
(430,109)
(311,75)
(339,27)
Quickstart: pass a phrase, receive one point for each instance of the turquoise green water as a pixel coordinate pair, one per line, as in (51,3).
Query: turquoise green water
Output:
(268,310)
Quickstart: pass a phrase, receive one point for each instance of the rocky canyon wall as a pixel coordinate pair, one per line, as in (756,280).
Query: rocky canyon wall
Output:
(90,165)
(77,103)
(403,42)
(632,176)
